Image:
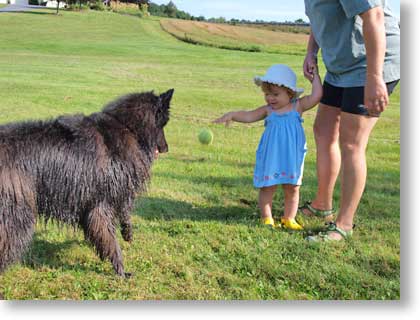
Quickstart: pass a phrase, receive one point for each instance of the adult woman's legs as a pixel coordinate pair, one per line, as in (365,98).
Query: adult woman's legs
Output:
(328,157)
(354,136)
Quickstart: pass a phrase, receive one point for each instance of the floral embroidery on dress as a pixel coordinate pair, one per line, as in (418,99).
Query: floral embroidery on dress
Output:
(276,175)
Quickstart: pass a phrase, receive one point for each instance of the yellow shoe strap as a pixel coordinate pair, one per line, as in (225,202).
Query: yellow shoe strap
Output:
(268,221)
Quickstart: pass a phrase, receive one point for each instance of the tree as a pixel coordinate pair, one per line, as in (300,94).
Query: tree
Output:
(171,10)
(144,7)
(58,5)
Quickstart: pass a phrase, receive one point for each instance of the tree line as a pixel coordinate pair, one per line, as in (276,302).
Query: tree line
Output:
(171,11)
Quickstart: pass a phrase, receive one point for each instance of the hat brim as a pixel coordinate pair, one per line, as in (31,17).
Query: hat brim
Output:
(259,80)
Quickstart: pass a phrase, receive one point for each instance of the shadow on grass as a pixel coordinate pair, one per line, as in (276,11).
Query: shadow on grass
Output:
(48,254)
(189,159)
(153,208)
(208,181)
(38,12)
(32,12)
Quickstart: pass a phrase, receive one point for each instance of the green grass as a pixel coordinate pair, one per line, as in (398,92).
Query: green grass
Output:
(196,231)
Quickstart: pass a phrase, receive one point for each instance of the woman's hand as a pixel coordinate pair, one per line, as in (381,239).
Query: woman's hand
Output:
(309,65)
(227,118)
(376,95)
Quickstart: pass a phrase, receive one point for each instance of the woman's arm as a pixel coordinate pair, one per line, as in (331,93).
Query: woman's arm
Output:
(311,60)
(376,94)
(308,102)
(243,116)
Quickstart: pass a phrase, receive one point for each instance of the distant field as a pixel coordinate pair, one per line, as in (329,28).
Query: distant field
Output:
(279,28)
(236,37)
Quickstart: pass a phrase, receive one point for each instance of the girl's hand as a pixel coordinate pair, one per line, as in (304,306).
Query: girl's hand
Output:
(314,72)
(309,65)
(226,119)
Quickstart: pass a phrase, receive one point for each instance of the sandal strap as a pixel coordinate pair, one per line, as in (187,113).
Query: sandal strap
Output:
(317,212)
(332,227)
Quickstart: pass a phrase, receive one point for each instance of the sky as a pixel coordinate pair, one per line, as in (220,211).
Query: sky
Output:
(268,10)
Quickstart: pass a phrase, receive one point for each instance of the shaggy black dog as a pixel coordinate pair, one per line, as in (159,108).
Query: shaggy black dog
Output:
(80,170)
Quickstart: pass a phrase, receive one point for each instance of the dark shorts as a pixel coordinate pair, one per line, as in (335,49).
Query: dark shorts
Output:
(351,99)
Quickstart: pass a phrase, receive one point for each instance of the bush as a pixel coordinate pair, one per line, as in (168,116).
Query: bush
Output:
(98,5)
(126,8)
(77,7)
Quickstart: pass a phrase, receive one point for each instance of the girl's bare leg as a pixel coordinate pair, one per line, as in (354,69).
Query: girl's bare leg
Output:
(265,201)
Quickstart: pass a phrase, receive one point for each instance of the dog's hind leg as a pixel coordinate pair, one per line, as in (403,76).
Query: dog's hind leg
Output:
(17,226)
(17,216)
(99,229)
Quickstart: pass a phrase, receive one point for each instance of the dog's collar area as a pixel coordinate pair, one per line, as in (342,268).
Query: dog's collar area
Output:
(123,125)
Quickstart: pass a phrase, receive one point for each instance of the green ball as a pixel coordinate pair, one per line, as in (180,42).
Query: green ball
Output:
(205,136)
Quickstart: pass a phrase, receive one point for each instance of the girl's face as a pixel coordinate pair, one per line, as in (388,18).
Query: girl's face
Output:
(277,97)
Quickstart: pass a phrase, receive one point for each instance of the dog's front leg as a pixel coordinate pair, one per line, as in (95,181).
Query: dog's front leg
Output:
(100,231)
(126,227)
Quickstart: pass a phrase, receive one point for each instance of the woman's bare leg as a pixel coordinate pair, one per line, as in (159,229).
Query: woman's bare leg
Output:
(328,158)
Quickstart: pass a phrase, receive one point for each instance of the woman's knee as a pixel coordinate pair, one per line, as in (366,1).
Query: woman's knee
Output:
(354,133)
(324,136)
(351,147)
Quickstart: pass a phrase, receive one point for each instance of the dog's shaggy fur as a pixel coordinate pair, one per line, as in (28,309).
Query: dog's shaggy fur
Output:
(80,170)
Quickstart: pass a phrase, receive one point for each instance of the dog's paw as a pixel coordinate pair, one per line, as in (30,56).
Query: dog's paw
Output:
(128,237)
(127,233)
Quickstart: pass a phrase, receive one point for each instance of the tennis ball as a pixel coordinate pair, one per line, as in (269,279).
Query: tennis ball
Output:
(205,136)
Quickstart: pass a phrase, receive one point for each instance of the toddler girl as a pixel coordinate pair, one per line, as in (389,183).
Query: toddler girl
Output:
(282,148)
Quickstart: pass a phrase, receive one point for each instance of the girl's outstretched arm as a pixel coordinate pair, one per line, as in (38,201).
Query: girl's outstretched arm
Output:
(243,116)
(310,101)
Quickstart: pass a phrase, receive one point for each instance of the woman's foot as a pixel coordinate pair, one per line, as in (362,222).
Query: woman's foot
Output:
(332,233)
(310,211)
(290,224)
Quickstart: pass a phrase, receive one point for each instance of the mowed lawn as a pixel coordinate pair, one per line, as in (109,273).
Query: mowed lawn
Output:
(196,232)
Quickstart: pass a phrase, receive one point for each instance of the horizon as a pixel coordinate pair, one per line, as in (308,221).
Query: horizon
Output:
(268,10)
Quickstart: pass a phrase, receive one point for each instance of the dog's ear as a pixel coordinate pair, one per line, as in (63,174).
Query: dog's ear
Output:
(165,98)
(162,112)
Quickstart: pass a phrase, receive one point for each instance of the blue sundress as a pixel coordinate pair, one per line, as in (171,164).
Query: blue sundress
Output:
(281,152)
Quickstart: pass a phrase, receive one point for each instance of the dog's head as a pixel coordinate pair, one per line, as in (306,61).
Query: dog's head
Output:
(144,114)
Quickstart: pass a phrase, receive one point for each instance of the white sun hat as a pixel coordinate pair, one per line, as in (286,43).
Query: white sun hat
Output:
(280,75)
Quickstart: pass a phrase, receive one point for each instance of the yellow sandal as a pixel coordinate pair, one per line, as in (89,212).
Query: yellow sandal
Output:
(268,222)
(290,224)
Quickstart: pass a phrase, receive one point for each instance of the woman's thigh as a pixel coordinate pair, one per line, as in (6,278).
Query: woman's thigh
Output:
(355,131)
(327,124)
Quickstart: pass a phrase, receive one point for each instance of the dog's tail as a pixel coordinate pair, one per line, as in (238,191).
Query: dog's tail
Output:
(17,215)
